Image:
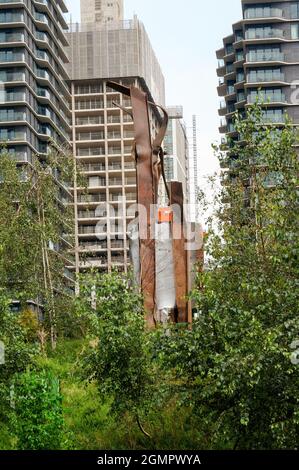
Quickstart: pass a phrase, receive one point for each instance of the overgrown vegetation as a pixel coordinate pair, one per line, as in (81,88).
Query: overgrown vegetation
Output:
(229,382)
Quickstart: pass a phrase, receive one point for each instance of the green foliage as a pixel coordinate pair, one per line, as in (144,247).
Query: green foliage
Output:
(37,420)
(235,365)
(32,253)
(18,353)
(29,322)
(118,362)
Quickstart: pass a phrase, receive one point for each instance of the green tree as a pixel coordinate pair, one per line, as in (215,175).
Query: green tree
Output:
(37,417)
(33,251)
(18,353)
(119,361)
(235,365)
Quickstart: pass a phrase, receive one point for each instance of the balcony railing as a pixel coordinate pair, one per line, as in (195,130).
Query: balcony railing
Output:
(83,105)
(264,34)
(93,246)
(91,136)
(265,56)
(278,97)
(87,198)
(266,12)
(93,167)
(89,121)
(274,117)
(265,77)
(91,152)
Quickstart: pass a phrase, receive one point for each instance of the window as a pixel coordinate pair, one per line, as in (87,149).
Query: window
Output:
(295,31)
(294,10)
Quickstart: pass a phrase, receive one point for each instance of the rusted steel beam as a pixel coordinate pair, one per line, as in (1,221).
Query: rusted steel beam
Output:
(146,197)
(179,251)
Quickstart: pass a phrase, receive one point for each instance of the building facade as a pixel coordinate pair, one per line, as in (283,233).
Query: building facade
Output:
(261,59)
(176,146)
(103,135)
(102,11)
(34,94)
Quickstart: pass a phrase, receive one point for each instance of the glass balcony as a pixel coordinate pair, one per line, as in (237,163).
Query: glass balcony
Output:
(240,77)
(114,150)
(268,97)
(114,166)
(230,89)
(91,152)
(115,182)
(11,115)
(93,167)
(95,182)
(93,246)
(96,104)
(113,119)
(91,136)
(229,49)
(229,68)
(15,96)
(12,136)
(8,56)
(263,12)
(239,56)
(89,121)
(114,135)
(275,117)
(11,37)
(231,108)
(265,77)
(265,56)
(90,198)
(9,17)
(241,97)
(264,33)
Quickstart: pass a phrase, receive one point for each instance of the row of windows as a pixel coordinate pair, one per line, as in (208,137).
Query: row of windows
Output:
(24,114)
(21,16)
(267,11)
(16,74)
(262,32)
(22,133)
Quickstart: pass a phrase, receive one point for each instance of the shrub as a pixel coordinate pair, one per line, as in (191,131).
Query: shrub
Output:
(37,419)
(29,322)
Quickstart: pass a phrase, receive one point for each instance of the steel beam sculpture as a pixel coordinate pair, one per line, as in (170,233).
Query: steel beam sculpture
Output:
(149,158)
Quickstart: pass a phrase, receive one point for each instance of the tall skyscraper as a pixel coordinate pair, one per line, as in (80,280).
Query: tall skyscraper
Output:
(103,134)
(261,57)
(101,11)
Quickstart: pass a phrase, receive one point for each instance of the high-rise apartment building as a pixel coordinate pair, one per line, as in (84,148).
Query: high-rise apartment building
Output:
(176,147)
(103,134)
(101,11)
(261,58)
(34,94)
(35,97)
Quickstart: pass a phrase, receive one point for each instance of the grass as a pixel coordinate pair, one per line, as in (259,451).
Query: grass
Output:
(88,423)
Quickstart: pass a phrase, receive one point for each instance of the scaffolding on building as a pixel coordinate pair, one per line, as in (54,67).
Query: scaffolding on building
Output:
(115,50)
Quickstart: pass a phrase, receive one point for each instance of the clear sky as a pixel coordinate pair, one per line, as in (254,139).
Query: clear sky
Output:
(185,35)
